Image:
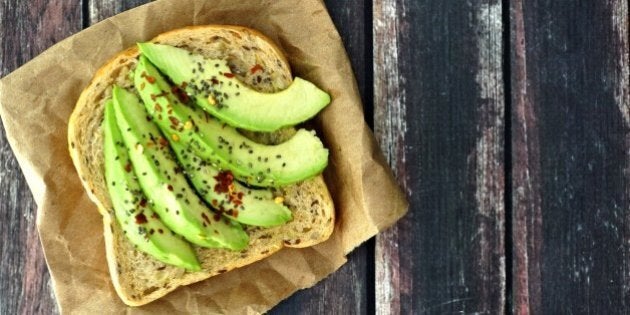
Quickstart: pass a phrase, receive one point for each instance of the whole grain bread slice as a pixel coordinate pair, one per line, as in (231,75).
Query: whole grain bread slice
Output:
(137,277)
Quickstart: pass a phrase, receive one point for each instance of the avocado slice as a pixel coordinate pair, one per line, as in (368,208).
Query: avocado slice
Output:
(300,158)
(215,88)
(162,181)
(217,188)
(141,224)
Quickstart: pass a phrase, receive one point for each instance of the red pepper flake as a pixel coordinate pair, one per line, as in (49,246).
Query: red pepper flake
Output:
(236,198)
(141,219)
(224,181)
(174,121)
(255,68)
(236,202)
(149,79)
(214,81)
(143,203)
(235,213)
(228,75)
(170,187)
(215,202)
(128,167)
(163,142)
(183,97)
(217,216)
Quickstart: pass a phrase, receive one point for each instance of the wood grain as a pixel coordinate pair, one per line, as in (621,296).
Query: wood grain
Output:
(98,10)
(439,117)
(26,29)
(526,212)
(571,138)
(392,281)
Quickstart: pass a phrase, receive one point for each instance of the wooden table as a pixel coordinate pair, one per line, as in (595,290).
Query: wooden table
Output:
(506,123)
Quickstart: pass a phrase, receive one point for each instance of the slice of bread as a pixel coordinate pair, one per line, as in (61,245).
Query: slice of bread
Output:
(137,277)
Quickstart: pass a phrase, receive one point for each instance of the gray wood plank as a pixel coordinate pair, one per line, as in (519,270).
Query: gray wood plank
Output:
(571,162)
(99,10)
(439,117)
(25,286)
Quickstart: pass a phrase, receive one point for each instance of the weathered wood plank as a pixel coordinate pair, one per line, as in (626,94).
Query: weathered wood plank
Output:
(526,212)
(346,291)
(391,279)
(101,9)
(571,144)
(439,111)
(26,29)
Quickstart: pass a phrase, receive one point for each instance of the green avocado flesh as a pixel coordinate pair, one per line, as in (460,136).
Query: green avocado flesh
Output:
(213,86)
(141,224)
(217,188)
(162,181)
(300,158)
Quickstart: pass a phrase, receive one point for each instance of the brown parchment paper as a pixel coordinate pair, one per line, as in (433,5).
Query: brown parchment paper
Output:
(36,101)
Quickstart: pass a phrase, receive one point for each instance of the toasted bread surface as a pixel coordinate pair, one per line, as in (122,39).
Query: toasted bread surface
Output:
(137,277)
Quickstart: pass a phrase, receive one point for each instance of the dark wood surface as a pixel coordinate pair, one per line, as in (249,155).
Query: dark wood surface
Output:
(571,156)
(439,116)
(507,123)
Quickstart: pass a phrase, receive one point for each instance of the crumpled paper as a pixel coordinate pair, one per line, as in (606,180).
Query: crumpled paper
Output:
(37,99)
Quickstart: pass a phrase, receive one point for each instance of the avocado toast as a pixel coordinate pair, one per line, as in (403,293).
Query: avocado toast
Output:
(256,62)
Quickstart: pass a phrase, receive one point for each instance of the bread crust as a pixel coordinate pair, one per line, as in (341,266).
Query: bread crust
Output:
(137,277)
